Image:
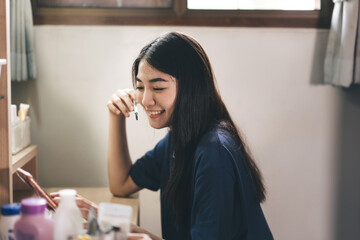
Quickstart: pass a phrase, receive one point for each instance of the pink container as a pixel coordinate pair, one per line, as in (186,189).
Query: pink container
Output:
(33,224)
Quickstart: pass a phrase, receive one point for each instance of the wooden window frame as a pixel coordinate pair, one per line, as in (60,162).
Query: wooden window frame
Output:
(179,15)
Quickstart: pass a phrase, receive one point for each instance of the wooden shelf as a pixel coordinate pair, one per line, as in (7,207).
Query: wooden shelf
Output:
(23,157)
(10,183)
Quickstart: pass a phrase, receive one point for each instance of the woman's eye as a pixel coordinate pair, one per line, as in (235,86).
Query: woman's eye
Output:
(158,89)
(139,88)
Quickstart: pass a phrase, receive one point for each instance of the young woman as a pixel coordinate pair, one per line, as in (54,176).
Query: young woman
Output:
(210,186)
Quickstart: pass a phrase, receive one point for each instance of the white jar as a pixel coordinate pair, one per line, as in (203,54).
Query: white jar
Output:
(10,213)
(68,219)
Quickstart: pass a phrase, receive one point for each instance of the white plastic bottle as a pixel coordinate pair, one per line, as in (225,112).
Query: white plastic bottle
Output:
(10,213)
(68,219)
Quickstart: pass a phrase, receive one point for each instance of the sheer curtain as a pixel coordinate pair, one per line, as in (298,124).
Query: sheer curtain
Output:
(22,41)
(342,61)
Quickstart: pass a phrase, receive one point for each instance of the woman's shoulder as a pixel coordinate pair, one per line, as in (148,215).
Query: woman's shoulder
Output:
(217,136)
(215,146)
(164,142)
(163,146)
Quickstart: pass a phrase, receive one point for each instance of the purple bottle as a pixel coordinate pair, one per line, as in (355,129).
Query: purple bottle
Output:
(33,224)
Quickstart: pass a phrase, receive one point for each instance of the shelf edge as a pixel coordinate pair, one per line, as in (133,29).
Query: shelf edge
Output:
(23,157)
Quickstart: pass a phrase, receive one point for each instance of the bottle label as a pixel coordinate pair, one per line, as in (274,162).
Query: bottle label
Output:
(8,236)
(24,236)
(11,235)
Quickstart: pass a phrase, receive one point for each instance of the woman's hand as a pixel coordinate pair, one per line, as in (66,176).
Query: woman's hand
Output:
(83,204)
(121,102)
(136,229)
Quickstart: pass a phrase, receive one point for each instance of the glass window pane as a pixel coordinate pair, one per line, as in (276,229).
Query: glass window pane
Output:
(212,4)
(107,3)
(254,4)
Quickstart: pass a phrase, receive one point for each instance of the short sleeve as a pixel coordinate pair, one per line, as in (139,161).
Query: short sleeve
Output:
(146,171)
(213,206)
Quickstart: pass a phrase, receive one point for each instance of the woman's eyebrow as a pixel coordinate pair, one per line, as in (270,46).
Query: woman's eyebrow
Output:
(158,80)
(153,80)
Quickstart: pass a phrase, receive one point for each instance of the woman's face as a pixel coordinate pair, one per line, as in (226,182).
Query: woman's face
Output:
(156,92)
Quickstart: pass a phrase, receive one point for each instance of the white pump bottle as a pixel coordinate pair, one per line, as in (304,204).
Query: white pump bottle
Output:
(67,218)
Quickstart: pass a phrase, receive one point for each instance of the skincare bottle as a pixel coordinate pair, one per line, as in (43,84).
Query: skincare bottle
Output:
(33,224)
(10,213)
(67,217)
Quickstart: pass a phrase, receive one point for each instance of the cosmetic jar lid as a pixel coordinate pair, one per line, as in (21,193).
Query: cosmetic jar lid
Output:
(10,209)
(33,205)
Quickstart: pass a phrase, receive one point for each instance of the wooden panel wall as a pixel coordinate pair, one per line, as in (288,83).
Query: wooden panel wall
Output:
(5,99)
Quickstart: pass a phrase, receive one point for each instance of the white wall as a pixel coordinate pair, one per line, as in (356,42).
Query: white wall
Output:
(267,79)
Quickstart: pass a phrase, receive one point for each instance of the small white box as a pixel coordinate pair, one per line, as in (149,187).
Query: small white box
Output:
(20,135)
(2,62)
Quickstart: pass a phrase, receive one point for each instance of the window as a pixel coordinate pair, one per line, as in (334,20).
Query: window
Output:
(107,3)
(254,4)
(249,13)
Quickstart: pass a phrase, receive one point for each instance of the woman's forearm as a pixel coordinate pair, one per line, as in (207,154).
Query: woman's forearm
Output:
(119,161)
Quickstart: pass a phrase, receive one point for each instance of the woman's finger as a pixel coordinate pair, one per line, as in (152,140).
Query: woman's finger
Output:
(132,94)
(122,102)
(126,97)
(84,203)
(84,213)
(118,103)
(56,200)
(112,108)
(54,194)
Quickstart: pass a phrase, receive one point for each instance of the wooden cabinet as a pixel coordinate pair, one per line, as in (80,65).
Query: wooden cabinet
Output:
(27,158)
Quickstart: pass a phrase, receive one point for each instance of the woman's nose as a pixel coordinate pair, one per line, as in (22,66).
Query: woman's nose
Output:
(147,99)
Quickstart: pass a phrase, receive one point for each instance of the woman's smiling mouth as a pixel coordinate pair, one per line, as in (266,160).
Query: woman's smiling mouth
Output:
(155,114)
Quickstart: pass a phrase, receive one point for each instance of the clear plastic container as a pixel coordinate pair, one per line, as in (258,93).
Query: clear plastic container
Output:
(20,135)
(33,223)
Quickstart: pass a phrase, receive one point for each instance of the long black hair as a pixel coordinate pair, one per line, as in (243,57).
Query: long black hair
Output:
(198,107)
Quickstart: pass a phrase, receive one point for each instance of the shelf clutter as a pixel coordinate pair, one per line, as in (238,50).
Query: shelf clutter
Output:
(20,135)
(112,221)
(20,128)
(2,62)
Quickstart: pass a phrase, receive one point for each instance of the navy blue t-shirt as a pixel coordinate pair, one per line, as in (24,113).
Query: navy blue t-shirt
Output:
(224,205)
